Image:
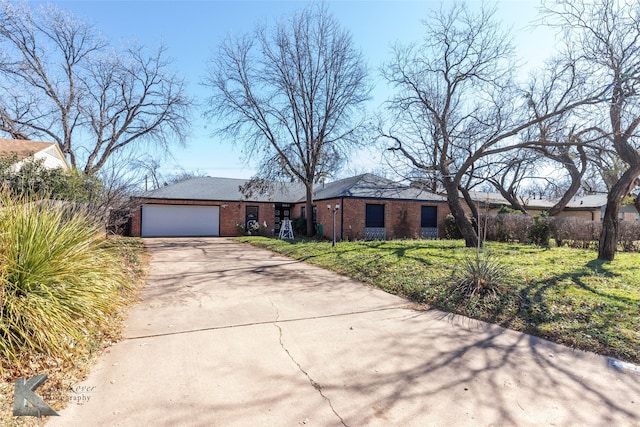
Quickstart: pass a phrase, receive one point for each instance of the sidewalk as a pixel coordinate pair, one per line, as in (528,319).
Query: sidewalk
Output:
(231,335)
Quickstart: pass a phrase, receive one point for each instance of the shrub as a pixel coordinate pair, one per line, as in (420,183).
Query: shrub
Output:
(241,228)
(540,232)
(630,236)
(574,232)
(451,229)
(60,280)
(507,210)
(299,226)
(34,179)
(507,227)
(479,275)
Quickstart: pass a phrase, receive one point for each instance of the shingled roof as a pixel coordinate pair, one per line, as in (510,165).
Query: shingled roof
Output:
(24,148)
(228,189)
(223,189)
(372,186)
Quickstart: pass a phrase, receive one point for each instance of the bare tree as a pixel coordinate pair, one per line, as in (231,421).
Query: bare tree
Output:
(508,174)
(605,39)
(67,85)
(289,94)
(459,83)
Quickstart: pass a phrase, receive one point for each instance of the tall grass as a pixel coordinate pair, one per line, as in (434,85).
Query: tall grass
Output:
(480,275)
(60,280)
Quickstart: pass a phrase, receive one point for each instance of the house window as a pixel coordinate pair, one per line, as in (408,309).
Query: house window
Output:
(429,222)
(374,216)
(303,214)
(429,217)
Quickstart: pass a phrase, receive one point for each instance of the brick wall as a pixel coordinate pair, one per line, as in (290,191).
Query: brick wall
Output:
(402,218)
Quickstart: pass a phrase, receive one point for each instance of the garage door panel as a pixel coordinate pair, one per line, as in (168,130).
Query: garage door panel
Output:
(180,220)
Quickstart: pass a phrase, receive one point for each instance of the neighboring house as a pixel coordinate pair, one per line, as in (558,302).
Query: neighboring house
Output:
(590,208)
(48,151)
(370,207)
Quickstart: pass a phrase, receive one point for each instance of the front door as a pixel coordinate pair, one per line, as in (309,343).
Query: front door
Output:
(251,218)
(283,211)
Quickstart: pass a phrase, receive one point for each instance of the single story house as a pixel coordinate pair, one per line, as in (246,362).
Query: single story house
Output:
(588,208)
(366,207)
(49,152)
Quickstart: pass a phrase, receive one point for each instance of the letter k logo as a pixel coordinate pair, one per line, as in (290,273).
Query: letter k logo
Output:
(24,394)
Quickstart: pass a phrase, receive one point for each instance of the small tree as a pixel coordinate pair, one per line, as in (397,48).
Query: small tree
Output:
(289,94)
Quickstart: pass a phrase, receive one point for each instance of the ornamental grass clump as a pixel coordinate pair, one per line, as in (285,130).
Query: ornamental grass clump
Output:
(60,282)
(480,275)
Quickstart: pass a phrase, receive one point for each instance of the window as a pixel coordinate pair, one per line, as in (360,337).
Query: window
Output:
(429,217)
(303,213)
(374,216)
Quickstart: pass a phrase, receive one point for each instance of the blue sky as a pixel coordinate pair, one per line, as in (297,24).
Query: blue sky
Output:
(192,31)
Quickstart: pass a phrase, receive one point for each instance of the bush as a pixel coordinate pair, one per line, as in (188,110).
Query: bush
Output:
(299,226)
(252,228)
(480,275)
(34,179)
(507,227)
(61,281)
(574,232)
(630,236)
(540,232)
(451,229)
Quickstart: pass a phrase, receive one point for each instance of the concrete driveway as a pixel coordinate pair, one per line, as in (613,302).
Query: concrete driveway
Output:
(231,335)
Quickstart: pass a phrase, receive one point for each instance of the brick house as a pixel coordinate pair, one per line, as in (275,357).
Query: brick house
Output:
(368,207)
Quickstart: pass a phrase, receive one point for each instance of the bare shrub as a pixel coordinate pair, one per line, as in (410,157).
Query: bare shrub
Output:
(630,236)
(507,227)
(575,233)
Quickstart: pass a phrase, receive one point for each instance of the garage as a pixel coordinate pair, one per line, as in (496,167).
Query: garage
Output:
(180,221)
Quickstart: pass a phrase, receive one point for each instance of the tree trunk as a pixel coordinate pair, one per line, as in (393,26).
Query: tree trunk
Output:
(464,225)
(576,180)
(608,243)
(309,209)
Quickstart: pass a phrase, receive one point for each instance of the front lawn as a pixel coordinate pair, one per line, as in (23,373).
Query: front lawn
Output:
(564,295)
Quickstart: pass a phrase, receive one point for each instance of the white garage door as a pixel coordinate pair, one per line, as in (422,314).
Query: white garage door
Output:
(179,220)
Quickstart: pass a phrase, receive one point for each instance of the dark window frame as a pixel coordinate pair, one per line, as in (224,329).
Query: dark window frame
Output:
(428,221)
(374,215)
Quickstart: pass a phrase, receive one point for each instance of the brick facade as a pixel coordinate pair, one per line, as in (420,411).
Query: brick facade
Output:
(402,217)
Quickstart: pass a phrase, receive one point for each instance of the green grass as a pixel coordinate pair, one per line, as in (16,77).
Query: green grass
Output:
(561,294)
